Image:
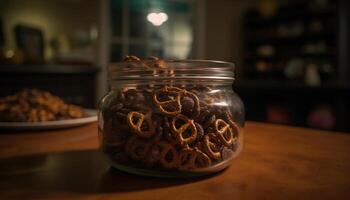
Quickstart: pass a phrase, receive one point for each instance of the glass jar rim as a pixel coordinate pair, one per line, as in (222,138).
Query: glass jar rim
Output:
(172,69)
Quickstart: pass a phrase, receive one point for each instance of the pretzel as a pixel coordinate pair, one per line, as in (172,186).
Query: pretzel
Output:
(234,125)
(174,89)
(174,100)
(196,107)
(131,58)
(155,62)
(168,150)
(137,148)
(178,133)
(152,58)
(200,131)
(153,155)
(187,158)
(224,132)
(201,160)
(136,127)
(210,148)
(167,132)
(192,159)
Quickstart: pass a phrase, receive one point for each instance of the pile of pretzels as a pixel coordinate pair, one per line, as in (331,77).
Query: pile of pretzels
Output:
(33,105)
(169,126)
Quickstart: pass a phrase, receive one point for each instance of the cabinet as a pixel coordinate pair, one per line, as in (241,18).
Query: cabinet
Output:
(280,49)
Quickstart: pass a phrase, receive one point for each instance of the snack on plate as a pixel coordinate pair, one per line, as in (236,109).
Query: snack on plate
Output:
(33,105)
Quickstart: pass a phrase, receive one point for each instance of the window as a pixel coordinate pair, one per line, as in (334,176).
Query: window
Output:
(134,34)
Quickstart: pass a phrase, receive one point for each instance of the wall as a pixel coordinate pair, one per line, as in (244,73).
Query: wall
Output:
(223,29)
(55,17)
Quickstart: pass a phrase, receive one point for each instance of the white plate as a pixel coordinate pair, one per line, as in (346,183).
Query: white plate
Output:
(92,117)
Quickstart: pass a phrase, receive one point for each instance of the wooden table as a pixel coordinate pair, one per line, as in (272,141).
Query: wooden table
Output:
(278,162)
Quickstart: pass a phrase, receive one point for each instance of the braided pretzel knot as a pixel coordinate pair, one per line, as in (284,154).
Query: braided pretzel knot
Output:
(137,148)
(136,121)
(210,147)
(169,157)
(180,134)
(224,132)
(174,96)
(192,159)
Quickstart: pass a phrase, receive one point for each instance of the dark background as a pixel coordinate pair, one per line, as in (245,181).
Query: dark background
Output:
(291,56)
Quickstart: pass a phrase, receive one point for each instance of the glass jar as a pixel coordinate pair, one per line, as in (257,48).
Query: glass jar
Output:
(171,118)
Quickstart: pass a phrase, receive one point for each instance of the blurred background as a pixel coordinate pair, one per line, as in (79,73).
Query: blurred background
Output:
(291,56)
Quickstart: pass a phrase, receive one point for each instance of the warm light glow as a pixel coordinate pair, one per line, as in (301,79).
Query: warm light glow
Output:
(9,54)
(157,19)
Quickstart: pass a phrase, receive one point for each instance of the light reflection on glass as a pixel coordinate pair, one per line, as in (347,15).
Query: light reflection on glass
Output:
(220,103)
(213,91)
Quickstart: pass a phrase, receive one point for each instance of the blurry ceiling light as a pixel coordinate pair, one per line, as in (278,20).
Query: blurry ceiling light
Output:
(157,19)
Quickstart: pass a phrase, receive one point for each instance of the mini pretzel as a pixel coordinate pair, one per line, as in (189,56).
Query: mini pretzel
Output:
(140,118)
(137,148)
(178,133)
(152,58)
(224,132)
(210,148)
(202,160)
(152,155)
(187,158)
(156,63)
(192,159)
(234,126)
(171,102)
(168,150)
(131,58)
(174,89)
(196,109)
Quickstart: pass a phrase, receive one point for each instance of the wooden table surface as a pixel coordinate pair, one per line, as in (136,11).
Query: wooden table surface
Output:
(277,162)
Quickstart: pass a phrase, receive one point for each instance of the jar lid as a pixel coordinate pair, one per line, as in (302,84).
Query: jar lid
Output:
(151,69)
